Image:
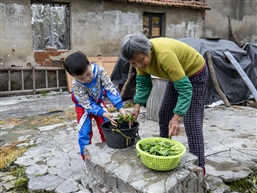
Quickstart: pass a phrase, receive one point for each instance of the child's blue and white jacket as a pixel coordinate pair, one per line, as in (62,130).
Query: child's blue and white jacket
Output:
(88,98)
(90,95)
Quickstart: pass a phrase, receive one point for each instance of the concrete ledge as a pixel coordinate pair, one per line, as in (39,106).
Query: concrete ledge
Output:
(121,171)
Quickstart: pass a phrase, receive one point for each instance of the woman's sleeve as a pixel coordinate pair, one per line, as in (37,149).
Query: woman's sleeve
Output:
(143,89)
(184,89)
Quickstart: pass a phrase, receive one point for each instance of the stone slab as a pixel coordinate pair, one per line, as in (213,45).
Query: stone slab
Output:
(122,171)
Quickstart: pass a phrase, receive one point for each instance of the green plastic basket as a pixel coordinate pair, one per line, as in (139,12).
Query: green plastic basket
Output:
(160,163)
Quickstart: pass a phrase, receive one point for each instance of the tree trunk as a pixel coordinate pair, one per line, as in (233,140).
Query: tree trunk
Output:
(215,81)
(231,34)
(130,76)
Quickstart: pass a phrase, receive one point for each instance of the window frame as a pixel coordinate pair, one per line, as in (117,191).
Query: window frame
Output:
(161,24)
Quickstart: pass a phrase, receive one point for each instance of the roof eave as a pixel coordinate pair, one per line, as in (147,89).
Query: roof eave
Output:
(168,3)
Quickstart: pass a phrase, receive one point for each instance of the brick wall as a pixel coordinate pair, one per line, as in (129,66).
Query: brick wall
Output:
(44,57)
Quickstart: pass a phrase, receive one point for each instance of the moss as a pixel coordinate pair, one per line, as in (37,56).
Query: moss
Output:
(21,183)
(43,93)
(248,184)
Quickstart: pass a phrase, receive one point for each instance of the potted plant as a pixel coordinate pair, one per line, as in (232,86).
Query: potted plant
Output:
(126,123)
(123,135)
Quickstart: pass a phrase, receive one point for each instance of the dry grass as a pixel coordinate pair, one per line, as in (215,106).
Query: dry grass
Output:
(9,153)
(60,116)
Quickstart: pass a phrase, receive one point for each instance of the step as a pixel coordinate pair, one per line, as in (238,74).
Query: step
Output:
(121,171)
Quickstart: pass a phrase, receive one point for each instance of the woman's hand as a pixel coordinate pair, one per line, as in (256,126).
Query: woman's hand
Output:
(123,112)
(174,128)
(135,112)
(109,116)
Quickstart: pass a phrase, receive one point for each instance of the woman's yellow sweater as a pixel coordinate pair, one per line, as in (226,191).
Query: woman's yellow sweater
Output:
(171,60)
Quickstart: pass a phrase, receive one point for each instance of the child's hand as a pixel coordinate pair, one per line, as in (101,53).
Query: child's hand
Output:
(109,116)
(123,112)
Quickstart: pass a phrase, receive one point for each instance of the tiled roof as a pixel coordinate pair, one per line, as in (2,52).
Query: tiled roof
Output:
(172,3)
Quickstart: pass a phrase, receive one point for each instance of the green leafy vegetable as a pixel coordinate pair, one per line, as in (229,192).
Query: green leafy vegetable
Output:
(129,118)
(161,148)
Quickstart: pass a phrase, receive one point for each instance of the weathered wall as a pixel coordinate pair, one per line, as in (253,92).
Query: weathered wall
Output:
(99,29)
(96,28)
(181,23)
(15,33)
(243,15)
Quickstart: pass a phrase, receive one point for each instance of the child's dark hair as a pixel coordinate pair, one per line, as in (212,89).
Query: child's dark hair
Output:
(76,63)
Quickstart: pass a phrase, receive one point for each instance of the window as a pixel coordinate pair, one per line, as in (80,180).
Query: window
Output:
(152,24)
(50,26)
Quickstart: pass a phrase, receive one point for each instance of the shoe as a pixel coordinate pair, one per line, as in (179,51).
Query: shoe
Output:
(85,167)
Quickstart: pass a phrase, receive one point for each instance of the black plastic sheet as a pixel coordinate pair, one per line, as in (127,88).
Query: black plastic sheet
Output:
(119,76)
(231,83)
(251,50)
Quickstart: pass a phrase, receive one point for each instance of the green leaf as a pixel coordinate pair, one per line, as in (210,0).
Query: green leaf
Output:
(159,147)
(129,118)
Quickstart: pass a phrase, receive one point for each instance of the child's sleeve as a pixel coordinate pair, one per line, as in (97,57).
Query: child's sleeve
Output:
(111,91)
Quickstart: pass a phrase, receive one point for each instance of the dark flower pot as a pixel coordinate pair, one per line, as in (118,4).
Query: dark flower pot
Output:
(121,137)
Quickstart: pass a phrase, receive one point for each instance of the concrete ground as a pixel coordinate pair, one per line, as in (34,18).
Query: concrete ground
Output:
(54,164)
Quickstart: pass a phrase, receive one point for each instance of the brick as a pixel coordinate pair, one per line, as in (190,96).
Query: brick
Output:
(41,55)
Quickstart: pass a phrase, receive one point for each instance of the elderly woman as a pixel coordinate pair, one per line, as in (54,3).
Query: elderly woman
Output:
(185,93)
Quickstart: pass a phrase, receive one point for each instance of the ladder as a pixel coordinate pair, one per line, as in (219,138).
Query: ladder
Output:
(33,89)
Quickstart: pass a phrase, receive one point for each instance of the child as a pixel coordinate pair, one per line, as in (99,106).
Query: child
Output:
(90,83)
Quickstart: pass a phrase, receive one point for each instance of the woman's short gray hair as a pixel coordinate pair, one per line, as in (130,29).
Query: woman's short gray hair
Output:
(134,44)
